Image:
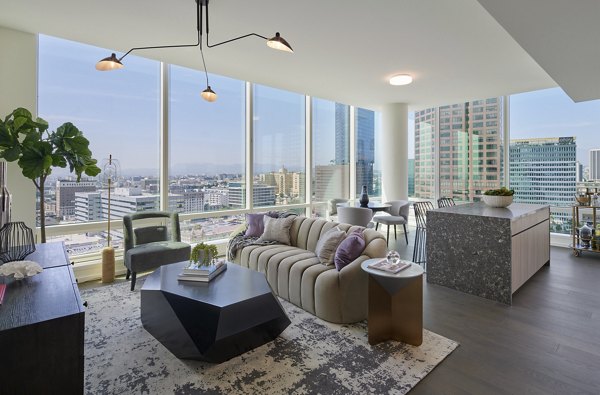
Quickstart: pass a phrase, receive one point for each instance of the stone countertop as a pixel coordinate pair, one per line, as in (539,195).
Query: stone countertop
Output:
(512,212)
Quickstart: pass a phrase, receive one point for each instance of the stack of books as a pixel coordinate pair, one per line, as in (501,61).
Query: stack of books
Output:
(195,272)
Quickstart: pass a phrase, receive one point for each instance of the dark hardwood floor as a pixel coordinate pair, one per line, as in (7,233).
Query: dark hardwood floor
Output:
(547,342)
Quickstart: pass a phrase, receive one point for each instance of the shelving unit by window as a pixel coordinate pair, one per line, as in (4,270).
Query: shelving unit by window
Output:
(581,215)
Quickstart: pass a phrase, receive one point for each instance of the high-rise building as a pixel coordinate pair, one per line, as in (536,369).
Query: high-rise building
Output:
(65,195)
(365,151)
(464,141)
(331,181)
(411,177)
(342,126)
(595,164)
(262,195)
(544,171)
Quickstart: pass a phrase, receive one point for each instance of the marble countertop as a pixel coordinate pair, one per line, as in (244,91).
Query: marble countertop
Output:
(512,212)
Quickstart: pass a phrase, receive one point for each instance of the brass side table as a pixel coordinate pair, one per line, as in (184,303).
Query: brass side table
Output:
(395,304)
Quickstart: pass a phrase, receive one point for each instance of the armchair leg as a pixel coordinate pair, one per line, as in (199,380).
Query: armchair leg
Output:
(387,239)
(405,233)
(128,274)
(395,234)
(376,225)
(133,281)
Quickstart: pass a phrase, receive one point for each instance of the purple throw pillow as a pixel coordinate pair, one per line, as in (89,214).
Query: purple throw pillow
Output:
(349,249)
(256,226)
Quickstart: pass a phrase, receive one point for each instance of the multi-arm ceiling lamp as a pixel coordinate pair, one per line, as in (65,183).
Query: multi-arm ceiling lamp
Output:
(277,42)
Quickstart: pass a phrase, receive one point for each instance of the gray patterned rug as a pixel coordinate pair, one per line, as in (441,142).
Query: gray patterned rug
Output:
(311,356)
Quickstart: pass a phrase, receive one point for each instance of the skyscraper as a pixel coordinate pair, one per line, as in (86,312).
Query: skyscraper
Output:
(365,150)
(65,195)
(342,125)
(595,164)
(544,171)
(464,143)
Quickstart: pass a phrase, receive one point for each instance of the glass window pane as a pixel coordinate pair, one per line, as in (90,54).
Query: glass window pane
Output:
(207,142)
(279,141)
(331,150)
(118,112)
(368,169)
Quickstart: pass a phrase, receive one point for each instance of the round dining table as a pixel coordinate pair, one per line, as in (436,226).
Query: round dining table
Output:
(374,206)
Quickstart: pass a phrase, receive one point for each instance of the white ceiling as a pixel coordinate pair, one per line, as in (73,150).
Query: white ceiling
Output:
(345,50)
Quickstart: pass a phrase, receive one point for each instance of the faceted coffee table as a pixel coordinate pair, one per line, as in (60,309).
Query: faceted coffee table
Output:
(214,321)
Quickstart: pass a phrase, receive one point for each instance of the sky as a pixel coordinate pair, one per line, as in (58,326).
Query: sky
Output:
(119,113)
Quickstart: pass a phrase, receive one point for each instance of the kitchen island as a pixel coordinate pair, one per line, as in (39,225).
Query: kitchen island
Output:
(485,251)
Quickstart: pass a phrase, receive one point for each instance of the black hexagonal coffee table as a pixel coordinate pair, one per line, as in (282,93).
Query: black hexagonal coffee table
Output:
(214,321)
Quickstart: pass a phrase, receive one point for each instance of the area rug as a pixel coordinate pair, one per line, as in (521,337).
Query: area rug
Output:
(310,356)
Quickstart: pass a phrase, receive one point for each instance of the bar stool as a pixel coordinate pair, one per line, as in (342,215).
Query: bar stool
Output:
(419,252)
(445,202)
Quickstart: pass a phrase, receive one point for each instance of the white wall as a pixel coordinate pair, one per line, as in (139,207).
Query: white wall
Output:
(18,88)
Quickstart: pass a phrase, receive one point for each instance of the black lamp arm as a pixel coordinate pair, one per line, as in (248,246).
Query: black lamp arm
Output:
(233,39)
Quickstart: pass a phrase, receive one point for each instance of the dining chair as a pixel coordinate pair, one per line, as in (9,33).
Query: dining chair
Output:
(355,216)
(445,202)
(398,216)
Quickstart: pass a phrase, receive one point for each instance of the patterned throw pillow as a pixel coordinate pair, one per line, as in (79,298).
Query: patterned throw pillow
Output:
(277,229)
(328,244)
(349,249)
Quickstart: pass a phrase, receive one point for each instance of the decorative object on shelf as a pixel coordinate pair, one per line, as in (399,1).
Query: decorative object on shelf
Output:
(16,242)
(393,258)
(203,254)
(585,234)
(111,170)
(20,269)
(364,197)
(500,198)
(5,197)
(28,142)
(595,200)
(113,63)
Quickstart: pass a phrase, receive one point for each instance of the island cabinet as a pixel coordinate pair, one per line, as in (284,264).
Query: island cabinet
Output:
(485,251)
(42,329)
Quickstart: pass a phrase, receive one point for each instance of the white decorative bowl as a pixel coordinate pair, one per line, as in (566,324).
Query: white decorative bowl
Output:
(497,201)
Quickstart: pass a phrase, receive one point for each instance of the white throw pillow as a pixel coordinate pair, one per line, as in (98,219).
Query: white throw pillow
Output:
(277,229)
(328,244)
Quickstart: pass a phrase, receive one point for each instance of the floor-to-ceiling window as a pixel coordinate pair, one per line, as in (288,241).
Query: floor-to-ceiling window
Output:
(207,153)
(367,135)
(330,152)
(279,147)
(552,141)
(118,112)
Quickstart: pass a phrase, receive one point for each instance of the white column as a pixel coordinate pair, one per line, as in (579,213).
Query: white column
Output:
(18,79)
(394,151)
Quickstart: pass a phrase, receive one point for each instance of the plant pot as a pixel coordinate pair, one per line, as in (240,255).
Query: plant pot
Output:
(497,201)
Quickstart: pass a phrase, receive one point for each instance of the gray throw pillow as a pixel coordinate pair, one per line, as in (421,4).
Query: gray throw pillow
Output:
(277,229)
(328,244)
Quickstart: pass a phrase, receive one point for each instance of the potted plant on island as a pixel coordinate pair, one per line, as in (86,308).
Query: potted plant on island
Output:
(28,142)
(202,254)
(502,197)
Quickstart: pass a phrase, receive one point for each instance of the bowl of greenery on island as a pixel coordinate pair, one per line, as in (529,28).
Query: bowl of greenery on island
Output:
(502,197)
(202,254)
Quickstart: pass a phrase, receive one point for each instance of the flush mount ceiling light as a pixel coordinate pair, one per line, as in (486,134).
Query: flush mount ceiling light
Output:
(401,79)
(277,42)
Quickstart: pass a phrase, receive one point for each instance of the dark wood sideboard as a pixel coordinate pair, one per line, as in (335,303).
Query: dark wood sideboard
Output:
(42,323)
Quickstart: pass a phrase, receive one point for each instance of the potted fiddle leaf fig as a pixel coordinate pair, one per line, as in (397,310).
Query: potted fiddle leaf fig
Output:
(37,151)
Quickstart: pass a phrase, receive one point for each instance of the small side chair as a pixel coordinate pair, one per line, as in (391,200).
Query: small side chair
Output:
(398,216)
(150,247)
(355,216)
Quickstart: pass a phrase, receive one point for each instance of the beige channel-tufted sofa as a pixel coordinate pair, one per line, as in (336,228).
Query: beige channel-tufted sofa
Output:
(296,274)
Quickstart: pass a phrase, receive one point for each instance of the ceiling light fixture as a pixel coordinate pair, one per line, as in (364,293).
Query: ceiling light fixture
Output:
(401,79)
(277,42)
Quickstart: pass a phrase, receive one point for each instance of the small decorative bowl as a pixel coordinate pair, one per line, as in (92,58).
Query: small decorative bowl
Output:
(583,200)
(497,201)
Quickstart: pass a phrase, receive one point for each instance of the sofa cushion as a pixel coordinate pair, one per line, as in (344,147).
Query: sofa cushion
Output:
(349,249)
(277,229)
(328,244)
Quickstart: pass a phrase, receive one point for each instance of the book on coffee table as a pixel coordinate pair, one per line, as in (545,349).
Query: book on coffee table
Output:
(205,270)
(387,267)
(203,276)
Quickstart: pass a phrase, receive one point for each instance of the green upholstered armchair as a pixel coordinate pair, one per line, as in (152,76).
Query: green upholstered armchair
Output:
(149,247)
